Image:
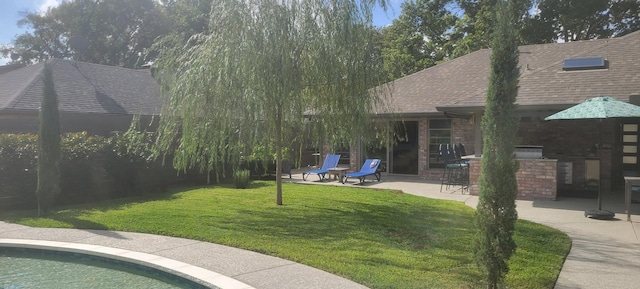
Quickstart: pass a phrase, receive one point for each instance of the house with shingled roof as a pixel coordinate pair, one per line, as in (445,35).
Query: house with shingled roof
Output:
(444,104)
(98,99)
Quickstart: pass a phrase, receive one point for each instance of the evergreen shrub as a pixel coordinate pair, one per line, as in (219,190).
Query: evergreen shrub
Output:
(92,168)
(241,179)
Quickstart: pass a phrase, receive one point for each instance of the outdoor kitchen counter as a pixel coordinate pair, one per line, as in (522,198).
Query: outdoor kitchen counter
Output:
(537,178)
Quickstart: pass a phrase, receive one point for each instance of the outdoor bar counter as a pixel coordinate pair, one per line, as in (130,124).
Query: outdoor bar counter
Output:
(537,178)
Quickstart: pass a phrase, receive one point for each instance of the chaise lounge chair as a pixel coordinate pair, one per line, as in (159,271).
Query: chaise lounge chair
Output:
(370,167)
(330,161)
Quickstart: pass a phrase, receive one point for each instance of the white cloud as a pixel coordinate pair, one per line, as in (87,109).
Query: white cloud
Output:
(46,4)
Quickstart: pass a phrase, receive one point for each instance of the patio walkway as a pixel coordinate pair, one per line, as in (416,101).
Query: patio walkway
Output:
(605,254)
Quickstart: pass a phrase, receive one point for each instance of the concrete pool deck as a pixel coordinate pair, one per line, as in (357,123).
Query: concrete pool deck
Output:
(605,254)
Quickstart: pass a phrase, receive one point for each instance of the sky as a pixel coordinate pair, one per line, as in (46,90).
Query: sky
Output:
(12,10)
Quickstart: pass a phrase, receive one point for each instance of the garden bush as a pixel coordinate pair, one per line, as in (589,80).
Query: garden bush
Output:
(241,179)
(92,168)
(18,172)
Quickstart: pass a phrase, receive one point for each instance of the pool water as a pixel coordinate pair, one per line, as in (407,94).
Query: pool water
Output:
(35,268)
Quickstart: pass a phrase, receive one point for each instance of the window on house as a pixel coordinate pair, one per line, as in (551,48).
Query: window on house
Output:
(439,133)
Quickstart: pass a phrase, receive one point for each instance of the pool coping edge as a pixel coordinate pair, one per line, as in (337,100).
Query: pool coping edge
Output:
(191,272)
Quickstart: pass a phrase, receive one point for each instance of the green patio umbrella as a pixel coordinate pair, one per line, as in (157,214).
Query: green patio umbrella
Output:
(598,108)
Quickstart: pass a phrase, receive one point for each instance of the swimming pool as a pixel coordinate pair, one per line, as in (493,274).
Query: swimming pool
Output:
(37,268)
(72,265)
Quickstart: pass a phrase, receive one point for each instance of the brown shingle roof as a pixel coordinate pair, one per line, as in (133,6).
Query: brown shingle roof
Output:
(462,82)
(82,88)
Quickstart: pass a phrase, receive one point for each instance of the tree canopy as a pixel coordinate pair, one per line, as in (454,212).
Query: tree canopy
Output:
(573,20)
(115,32)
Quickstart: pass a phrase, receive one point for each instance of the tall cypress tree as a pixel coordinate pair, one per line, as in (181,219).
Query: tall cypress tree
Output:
(48,146)
(496,212)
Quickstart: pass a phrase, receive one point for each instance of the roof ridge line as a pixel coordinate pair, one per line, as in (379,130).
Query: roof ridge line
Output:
(32,82)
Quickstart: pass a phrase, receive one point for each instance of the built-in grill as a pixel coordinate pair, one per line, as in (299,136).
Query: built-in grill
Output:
(528,152)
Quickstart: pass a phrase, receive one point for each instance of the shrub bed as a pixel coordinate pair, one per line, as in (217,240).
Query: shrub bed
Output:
(92,168)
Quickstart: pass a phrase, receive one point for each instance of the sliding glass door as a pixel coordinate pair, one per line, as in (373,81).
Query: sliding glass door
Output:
(404,148)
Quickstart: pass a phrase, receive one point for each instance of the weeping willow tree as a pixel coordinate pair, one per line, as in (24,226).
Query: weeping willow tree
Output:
(264,65)
(496,213)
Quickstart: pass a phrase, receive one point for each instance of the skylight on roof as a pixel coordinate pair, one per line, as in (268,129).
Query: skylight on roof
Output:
(584,63)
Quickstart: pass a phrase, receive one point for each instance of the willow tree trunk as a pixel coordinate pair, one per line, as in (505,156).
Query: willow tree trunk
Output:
(279,155)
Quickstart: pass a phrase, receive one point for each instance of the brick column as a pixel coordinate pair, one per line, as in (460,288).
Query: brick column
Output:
(354,159)
(326,149)
(474,174)
(423,147)
(462,131)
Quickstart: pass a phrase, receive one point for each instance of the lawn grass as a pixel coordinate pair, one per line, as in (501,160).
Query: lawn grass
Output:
(379,238)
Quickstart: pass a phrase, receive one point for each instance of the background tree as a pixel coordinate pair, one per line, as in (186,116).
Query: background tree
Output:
(253,70)
(624,16)
(187,19)
(48,146)
(496,211)
(115,32)
(428,32)
(573,20)
(419,38)
(476,26)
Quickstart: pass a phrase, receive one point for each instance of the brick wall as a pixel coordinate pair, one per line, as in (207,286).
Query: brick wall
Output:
(423,147)
(462,131)
(354,160)
(536,179)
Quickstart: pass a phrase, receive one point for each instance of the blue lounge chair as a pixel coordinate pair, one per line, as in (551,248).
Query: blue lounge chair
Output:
(330,161)
(370,167)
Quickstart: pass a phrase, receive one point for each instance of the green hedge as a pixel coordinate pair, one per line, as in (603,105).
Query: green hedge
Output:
(92,168)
